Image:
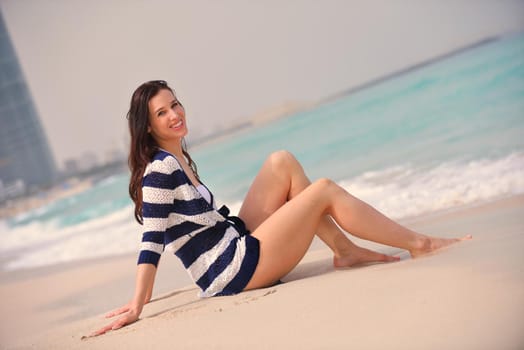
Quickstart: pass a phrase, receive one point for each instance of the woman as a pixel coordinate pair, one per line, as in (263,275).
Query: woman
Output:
(278,219)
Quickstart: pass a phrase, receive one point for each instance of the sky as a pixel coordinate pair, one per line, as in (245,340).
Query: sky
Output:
(227,59)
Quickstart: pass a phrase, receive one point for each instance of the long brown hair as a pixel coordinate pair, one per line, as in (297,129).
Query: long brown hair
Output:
(143,146)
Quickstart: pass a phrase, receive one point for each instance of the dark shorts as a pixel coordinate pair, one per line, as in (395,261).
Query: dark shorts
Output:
(242,259)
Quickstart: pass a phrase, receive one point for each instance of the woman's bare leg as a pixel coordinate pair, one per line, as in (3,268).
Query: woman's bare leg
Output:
(280,179)
(286,235)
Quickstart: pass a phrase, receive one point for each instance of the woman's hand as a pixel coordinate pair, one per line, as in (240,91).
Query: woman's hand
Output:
(130,312)
(129,316)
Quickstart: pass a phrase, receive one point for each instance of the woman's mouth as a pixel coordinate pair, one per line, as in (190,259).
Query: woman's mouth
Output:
(177,125)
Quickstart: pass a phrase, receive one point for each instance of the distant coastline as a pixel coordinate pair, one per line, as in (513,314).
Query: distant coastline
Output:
(287,109)
(409,69)
(268,115)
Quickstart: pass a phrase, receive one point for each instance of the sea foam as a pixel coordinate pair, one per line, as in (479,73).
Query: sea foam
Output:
(408,190)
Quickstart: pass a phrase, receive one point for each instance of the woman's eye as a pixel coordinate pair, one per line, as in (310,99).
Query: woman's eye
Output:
(161,113)
(175,104)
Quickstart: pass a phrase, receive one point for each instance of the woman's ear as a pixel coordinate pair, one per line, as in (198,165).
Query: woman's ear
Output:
(148,129)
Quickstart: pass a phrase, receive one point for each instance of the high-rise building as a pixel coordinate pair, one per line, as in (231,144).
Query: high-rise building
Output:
(24,151)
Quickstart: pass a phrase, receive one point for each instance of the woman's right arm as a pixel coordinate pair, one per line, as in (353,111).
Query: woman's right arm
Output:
(145,278)
(158,193)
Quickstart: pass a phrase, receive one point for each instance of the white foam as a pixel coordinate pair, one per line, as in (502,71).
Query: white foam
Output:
(45,243)
(406,191)
(38,244)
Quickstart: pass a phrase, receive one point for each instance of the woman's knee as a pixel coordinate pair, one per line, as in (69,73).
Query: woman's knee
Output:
(282,157)
(326,186)
(323,191)
(283,160)
(324,182)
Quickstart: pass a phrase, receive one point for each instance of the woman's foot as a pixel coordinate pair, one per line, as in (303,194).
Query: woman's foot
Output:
(428,244)
(359,255)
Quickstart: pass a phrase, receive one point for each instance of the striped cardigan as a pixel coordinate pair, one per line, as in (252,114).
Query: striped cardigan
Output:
(177,218)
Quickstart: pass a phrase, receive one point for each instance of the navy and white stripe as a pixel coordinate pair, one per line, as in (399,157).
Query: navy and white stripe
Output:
(178,218)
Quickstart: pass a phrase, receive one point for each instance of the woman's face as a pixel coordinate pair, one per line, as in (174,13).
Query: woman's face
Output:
(167,118)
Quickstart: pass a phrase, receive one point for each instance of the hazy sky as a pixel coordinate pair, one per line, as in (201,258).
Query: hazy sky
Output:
(226,59)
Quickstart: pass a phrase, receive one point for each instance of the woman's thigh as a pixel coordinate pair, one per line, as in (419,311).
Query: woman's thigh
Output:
(279,179)
(286,235)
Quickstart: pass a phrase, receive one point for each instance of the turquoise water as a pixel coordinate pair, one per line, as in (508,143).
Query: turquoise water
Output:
(467,107)
(450,133)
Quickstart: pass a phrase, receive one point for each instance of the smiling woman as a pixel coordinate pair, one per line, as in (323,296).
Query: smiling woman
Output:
(278,219)
(158,97)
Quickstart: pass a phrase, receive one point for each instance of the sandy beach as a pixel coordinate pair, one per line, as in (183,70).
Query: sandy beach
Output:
(414,107)
(468,296)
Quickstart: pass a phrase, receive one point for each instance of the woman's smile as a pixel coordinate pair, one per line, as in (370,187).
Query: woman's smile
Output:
(177,125)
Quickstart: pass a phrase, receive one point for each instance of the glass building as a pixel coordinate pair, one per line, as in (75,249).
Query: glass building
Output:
(25,154)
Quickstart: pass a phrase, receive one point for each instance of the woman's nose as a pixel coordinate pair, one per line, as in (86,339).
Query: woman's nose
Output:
(173,114)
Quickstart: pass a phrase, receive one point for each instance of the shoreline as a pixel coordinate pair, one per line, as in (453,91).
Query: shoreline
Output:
(7,276)
(58,317)
(428,216)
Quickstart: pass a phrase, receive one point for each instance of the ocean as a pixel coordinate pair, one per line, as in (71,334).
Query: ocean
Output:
(447,134)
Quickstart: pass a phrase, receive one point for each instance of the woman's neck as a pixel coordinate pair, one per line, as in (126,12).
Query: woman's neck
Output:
(173,148)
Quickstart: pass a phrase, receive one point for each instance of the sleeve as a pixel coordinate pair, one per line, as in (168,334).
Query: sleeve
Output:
(158,187)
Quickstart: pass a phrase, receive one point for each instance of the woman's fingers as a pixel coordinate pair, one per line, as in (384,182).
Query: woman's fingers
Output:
(102,330)
(119,324)
(118,311)
(128,318)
